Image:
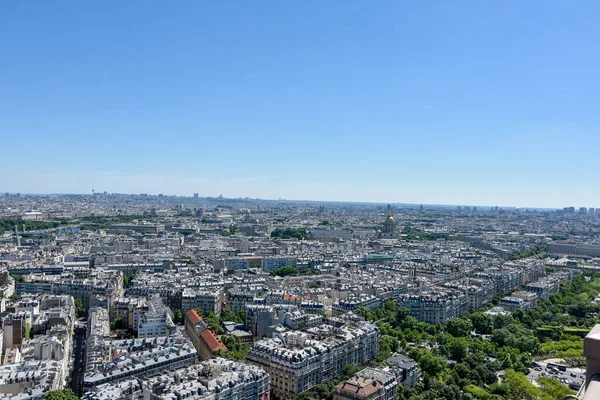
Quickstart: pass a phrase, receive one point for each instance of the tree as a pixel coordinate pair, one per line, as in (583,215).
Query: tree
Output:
(520,387)
(64,394)
(482,323)
(231,316)
(235,349)
(363,312)
(324,390)
(178,316)
(285,271)
(307,396)
(117,323)
(128,279)
(430,364)
(553,388)
(211,320)
(79,309)
(350,370)
(459,327)
(457,348)
(289,233)
(401,315)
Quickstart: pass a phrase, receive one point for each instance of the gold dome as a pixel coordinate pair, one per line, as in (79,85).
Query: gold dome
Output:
(390,217)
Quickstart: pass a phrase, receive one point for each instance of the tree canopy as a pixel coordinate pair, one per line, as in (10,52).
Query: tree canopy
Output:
(64,394)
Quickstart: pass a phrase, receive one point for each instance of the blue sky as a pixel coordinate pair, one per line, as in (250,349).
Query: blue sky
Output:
(453,102)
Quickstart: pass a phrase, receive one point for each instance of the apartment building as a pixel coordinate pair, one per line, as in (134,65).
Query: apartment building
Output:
(215,379)
(435,307)
(237,300)
(84,286)
(272,263)
(297,361)
(407,371)
(368,384)
(141,228)
(574,249)
(518,301)
(124,308)
(352,303)
(479,291)
(7,284)
(109,361)
(154,320)
(205,300)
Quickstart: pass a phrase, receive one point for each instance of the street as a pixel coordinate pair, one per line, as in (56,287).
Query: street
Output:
(571,375)
(78,360)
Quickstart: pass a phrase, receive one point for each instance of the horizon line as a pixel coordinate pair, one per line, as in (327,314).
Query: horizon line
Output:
(409,205)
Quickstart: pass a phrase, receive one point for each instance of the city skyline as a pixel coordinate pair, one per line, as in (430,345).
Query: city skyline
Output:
(476,207)
(479,104)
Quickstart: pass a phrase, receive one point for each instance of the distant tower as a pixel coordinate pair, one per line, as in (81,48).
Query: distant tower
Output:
(17,236)
(247,216)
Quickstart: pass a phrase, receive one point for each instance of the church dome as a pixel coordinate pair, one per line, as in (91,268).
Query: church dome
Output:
(390,217)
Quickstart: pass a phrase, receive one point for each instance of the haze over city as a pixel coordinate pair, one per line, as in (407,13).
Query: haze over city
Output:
(478,104)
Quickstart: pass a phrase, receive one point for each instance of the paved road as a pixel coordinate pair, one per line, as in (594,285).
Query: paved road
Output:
(566,375)
(78,361)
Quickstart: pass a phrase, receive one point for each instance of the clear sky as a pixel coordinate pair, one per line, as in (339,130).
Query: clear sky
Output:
(453,102)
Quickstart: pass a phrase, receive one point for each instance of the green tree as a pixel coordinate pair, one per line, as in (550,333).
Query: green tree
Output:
(482,323)
(79,309)
(553,389)
(457,348)
(64,394)
(430,364)
(178,316)
(235,349)
(211,320)
(285,271)
(520,387)
(459,327)
(289,233)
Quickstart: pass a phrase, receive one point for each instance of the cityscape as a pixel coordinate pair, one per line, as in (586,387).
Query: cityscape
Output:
(116,296)
(299,200)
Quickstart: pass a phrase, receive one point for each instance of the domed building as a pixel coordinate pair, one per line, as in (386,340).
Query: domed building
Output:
(389,227)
